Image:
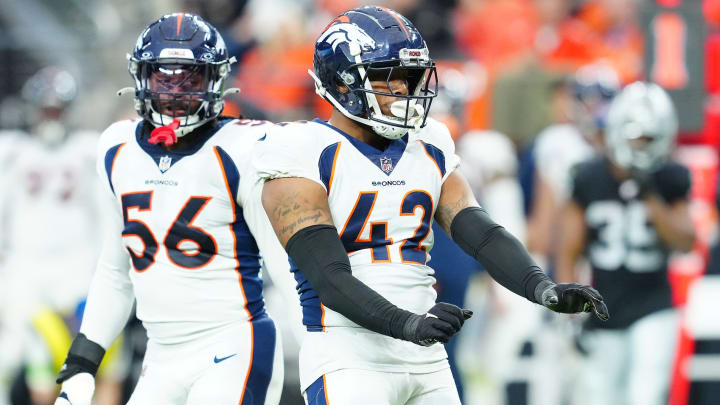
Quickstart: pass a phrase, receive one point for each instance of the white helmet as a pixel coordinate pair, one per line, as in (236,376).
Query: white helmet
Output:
(641,127)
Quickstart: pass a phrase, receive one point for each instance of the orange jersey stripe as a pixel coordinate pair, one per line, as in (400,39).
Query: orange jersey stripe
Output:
(250,364)
(112,166)
(332,171)
(327,401)
(431,158)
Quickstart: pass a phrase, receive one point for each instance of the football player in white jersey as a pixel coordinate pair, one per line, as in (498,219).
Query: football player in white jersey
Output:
(47,183)
(380,171)
(181,242)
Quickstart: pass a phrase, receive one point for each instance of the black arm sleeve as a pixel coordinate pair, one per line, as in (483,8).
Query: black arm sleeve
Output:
(500,253)
(321,257)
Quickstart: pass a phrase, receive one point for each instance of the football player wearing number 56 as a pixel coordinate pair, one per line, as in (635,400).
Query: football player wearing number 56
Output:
(185,238)
(353,200)
(628,210)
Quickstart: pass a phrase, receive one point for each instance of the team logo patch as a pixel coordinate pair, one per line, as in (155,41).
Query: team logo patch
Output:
(164,163)
(386,164)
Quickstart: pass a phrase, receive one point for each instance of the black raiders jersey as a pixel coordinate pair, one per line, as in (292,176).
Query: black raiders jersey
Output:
(628,258)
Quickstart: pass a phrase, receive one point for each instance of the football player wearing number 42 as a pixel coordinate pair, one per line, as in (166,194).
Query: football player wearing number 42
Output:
(352,201)
(628,210)
(181,244)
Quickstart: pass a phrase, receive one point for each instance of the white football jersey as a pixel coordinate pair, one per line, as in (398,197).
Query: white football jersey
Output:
(382,203)
(186,245)
(50,223)
(557,149)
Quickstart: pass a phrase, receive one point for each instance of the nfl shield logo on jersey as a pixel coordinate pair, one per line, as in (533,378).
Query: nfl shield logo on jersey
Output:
(164,163)
(386,164)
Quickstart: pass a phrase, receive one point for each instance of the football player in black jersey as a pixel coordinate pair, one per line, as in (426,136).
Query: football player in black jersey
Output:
(628,211)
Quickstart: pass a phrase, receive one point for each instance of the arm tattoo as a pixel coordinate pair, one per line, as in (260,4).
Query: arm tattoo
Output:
(446,211)
(311,218)
(294,212)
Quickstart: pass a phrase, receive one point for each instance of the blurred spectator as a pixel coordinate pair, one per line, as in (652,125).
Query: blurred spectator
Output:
(524,44)
(559,44)
(432,18)
(273,76)
(226,16)
(616,22)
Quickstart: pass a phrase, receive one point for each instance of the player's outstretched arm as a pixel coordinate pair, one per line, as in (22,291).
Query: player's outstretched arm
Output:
(107,309)
(299,213)
(503,256)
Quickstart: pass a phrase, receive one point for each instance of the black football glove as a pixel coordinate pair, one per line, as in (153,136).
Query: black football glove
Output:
(437,325)
(571,298)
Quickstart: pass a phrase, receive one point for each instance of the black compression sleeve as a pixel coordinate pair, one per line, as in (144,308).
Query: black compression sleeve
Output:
(321,257)
(500,253)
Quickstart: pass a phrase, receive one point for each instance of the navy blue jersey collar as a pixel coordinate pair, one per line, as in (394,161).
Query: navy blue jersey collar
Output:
(170,157)
(386,160)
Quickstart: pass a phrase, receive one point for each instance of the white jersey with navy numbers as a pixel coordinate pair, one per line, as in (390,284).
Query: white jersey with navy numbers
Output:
(382,203)
(185,244)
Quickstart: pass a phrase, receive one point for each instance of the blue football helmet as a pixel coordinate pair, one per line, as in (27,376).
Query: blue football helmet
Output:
(375,43)
(593,86)
(179,64)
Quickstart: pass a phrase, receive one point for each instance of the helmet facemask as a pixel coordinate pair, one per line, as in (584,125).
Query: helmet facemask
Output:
(188,92)
(408,111)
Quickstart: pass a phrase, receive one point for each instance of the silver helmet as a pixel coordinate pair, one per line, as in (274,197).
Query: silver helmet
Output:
(641,127)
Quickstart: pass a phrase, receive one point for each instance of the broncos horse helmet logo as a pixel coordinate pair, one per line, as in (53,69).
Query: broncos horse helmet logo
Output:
(345,32)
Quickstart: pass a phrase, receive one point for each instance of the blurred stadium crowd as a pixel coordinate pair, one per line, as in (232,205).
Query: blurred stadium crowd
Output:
(524,87)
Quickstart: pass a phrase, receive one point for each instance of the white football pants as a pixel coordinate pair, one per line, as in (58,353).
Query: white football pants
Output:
(241,364)
(629,366)
(362,387)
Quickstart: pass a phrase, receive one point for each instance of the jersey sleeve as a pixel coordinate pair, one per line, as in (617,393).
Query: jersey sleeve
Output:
(288,151)
(440,146)
(109,146)
(110,298)
(673,182)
